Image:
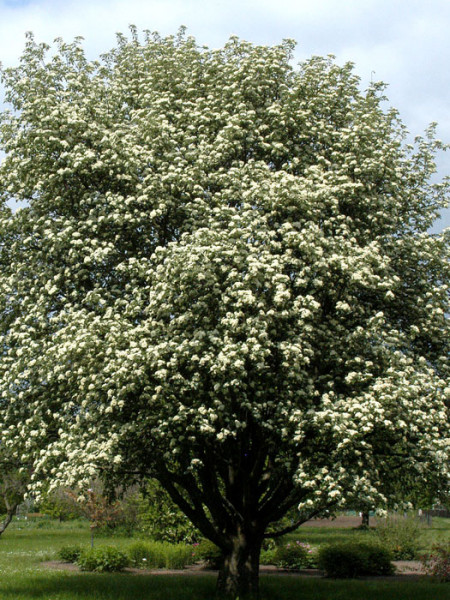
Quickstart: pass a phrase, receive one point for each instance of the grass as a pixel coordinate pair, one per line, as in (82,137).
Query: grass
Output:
(64,586)
(439,531)
(316,536)
(25,545)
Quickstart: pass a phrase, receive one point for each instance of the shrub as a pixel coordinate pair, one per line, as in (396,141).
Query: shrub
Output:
(102,559)
(400,535)
(210,554)
(69,554)
(270,543)
(296,555)
(268,556)
(347,560)
(437,562)
(160,519)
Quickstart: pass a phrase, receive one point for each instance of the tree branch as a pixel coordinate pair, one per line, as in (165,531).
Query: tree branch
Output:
(296,525)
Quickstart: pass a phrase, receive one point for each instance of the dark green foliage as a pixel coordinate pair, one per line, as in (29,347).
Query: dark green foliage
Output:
(268,556)
(293,555)
(348,560)
(160,519)
(70,554)
(210,554)
(103,559)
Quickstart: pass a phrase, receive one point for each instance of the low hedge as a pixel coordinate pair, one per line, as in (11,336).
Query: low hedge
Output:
(347,560)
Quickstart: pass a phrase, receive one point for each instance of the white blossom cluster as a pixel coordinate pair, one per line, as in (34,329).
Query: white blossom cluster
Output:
(222,276)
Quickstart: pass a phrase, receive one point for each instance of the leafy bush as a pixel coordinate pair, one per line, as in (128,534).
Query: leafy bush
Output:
(160,519)
(400,535)
(160,555)
(347,560)
(69,554)
(102,559)
(268,556)
(210,554)
(437,562)
(270,543)
(298,555)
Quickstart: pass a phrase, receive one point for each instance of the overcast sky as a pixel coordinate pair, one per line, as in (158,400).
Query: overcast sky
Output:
(405,43)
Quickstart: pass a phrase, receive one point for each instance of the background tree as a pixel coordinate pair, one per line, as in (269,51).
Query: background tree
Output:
(222,280)
(405,491)
(98,508)
(60,503)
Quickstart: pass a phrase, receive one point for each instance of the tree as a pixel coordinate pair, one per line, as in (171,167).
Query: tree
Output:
(97,508)
(60,503)
(222,280)
(405,491)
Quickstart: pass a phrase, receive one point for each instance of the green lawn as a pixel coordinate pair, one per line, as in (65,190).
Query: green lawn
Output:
(57,586)
(25,545)
(439,531)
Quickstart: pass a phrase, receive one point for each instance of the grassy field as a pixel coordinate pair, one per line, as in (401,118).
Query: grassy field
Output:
(57,586)
(438,531)
(24,546)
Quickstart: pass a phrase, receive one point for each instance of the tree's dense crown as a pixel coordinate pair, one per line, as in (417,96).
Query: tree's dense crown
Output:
(222,278)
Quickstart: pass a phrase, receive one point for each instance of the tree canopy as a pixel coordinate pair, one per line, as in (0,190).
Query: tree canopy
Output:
(222,279)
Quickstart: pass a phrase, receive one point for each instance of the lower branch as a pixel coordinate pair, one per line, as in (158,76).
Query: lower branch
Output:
(294,526)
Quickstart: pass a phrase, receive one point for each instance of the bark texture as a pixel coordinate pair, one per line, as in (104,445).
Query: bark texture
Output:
(11,509)
(365,518)
(239,574)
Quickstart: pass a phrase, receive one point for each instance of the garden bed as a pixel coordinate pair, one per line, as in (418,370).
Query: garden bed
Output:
(405,570)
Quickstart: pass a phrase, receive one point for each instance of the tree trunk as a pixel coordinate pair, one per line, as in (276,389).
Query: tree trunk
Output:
(365,516)
(7,520)
(239,574)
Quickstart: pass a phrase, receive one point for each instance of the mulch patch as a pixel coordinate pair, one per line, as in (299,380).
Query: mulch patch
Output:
(406,571)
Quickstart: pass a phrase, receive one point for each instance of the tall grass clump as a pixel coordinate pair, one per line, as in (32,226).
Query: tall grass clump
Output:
(160,555)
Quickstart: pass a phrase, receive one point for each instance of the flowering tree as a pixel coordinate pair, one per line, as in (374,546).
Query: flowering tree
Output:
(222,279)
